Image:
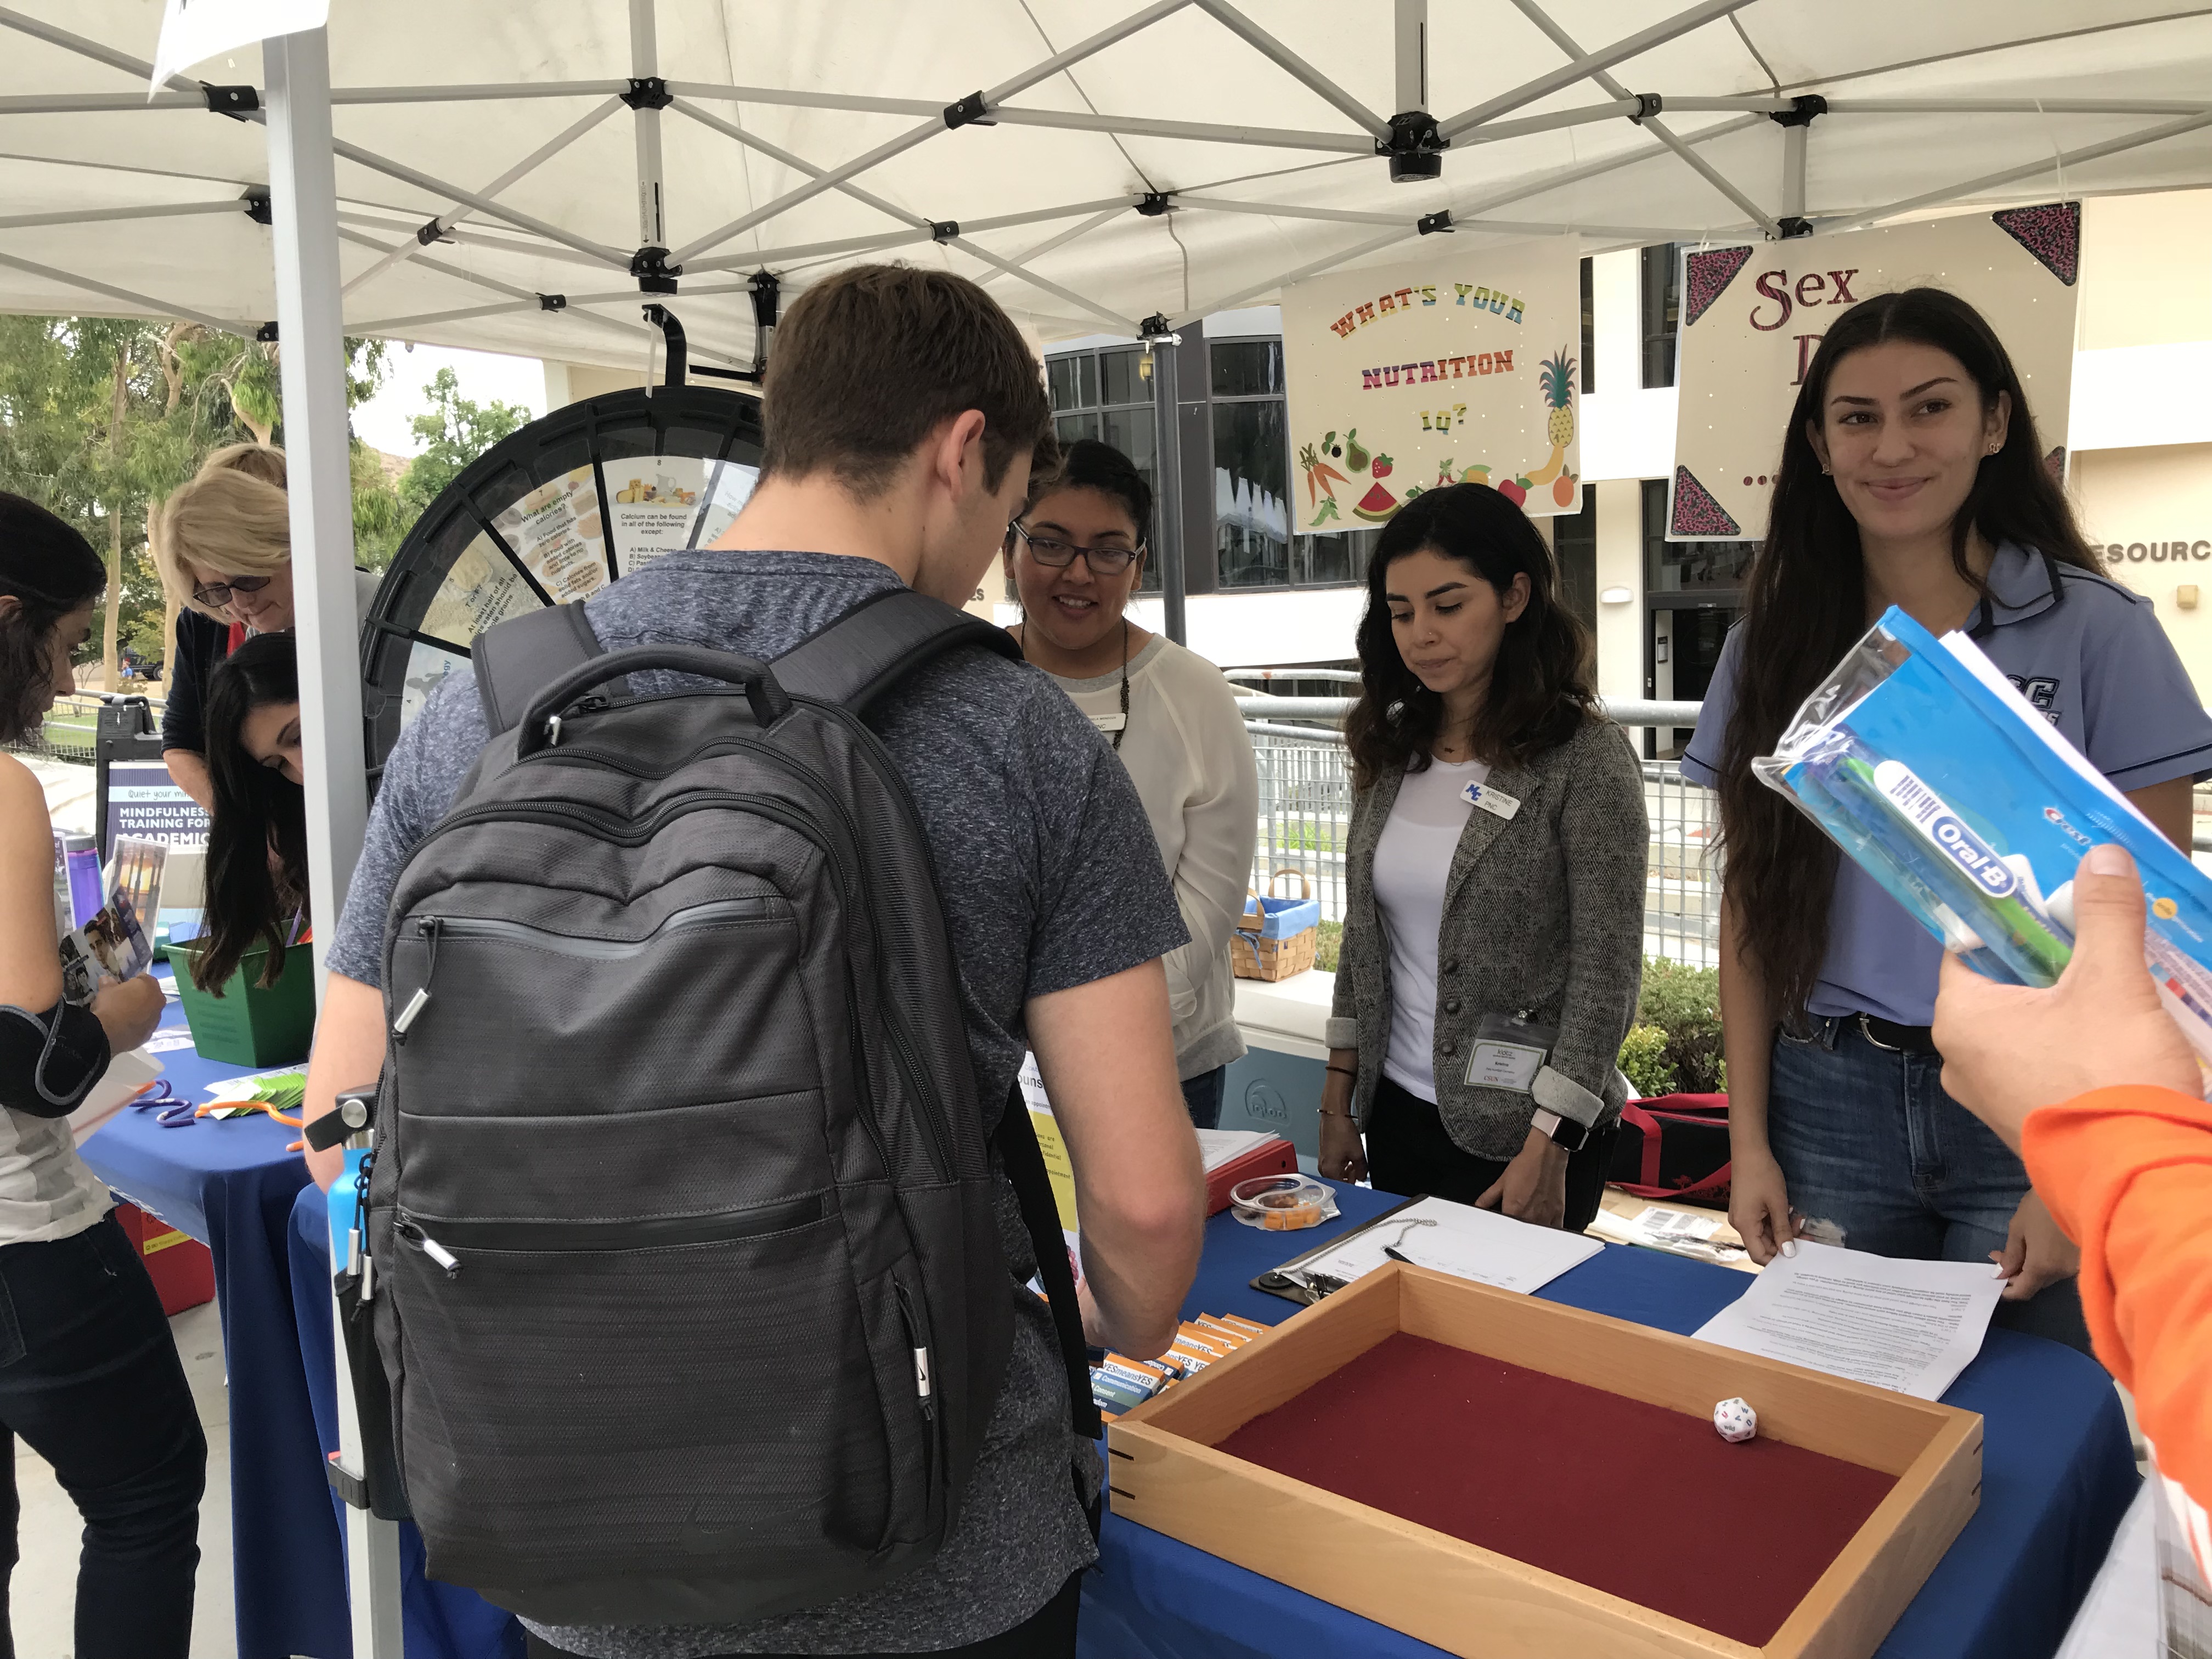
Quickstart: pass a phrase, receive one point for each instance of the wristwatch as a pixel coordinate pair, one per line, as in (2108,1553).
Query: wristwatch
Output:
(1565,1133)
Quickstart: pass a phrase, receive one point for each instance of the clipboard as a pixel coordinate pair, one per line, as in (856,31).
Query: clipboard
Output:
(1278,1281)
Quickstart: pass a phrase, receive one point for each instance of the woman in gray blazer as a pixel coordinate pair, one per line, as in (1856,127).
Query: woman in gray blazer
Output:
(1493,936)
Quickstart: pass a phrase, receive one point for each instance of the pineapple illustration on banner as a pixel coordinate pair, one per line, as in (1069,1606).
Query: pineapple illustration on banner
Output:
(1409,378)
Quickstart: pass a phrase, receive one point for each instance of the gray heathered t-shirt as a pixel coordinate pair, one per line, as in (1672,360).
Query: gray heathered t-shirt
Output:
(1050,878)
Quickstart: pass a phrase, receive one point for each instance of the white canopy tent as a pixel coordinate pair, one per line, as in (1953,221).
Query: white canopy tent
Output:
(506,176)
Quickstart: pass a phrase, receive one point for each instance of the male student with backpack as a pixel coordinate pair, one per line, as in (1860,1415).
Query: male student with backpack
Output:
(903,412)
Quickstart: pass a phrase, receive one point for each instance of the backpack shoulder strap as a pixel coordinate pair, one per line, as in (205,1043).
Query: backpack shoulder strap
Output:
(1024,1160)
(878,643)
(520,658)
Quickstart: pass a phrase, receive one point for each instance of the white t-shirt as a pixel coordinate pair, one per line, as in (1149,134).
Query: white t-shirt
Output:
(1412,867)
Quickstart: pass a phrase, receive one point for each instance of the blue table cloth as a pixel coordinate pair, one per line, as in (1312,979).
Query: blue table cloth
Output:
(230,1184)
(2058,1475)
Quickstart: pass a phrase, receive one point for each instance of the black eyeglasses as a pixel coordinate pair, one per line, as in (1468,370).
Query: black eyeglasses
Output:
(216,595)
(1056,555)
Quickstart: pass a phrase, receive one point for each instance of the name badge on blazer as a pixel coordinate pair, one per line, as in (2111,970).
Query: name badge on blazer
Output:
(1496,802)
(1509,1051)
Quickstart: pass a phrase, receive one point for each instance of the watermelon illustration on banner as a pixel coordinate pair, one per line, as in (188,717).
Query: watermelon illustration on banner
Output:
(1460,368)
(1752,316)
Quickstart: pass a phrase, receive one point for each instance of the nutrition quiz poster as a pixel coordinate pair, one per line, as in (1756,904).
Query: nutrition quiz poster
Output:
(1459,368)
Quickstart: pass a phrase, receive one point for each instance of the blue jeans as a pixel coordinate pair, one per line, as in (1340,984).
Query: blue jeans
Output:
(1201,1097)
(1868,1140)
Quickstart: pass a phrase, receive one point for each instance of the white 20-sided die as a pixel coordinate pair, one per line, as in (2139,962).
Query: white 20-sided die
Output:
(1736,1421)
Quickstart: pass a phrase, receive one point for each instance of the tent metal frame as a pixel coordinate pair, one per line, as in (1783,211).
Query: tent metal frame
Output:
(309,221)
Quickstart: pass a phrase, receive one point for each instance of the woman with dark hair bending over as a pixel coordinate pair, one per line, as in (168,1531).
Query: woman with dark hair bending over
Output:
(256,865)
(88,1375)
(1493,932)
(1911,476)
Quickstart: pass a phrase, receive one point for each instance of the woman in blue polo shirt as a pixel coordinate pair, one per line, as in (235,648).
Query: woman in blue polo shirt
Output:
(1911,476)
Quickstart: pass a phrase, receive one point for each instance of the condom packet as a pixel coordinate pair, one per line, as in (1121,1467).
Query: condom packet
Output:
(1932,772)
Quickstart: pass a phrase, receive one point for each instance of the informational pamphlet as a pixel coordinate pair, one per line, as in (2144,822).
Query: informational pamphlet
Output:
(1910,1327)
(1056,1165)
(112,945)
(1458,1239)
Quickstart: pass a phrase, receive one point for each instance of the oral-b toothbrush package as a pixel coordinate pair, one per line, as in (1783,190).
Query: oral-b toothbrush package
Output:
(1939,779)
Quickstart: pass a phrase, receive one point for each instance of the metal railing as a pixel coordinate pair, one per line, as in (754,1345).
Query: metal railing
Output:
(1305,811)
(69,733)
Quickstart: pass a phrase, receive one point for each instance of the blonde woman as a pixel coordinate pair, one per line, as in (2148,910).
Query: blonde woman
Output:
(224,545)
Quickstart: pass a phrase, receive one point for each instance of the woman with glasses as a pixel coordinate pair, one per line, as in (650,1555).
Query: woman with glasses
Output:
(223,544)
(1076,555)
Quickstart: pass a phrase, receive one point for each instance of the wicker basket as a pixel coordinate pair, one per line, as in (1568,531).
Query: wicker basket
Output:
(1260,948)
(1254,957)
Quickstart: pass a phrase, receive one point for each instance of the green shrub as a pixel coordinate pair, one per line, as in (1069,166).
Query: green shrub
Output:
(1643,1058)
(1685,1004)
(1331,940)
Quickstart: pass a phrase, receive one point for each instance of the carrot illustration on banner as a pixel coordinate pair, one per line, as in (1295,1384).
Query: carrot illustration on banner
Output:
(1319,476)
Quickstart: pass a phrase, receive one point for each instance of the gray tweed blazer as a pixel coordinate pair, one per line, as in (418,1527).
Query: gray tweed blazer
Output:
(1543,915)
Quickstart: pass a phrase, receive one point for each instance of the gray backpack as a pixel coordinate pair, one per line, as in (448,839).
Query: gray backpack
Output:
(688,1285)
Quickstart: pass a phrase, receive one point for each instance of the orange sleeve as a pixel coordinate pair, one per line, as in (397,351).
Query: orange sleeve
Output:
(2128,1174)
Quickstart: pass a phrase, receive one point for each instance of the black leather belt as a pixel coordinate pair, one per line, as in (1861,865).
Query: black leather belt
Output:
(1888,1034)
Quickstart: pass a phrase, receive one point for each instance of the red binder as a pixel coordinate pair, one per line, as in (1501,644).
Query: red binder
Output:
(1275,1155)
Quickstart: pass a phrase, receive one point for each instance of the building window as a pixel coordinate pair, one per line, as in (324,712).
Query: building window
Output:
(1705,573)
(1693,595)
(1662,309)
(1574,550)
(1589,330)
(1104,395)
(1256,541)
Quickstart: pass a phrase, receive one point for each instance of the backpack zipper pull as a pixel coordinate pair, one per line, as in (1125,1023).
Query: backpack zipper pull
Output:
(921,1385)
(429,928)
(411,1231)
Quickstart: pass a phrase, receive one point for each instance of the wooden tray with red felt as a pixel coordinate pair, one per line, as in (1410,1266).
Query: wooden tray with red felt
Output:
(1510,1479)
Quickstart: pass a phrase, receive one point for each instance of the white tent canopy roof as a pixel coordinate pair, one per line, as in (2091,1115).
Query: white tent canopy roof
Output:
(114,206)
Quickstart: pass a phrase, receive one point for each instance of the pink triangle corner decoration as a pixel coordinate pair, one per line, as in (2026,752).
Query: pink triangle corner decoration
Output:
(1710,274)
(1696,512)
(2052,231)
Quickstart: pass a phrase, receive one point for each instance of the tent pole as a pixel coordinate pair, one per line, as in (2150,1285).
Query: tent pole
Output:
(139,305)
(303,193)
(929,129)
(1280,55)
(1114,319)
(459,210)
(1991,181)
(1584,65)
(1167,510)
(482,204)
(1697,164)
(644,65)
(1343,143)
(1564,176)
(923,232)
(1031,255)
(1282,279)
(95,216)
(1793,169)
(1411,57)
(137,68)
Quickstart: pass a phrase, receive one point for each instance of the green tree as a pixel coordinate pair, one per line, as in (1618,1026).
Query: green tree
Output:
(102,418)
(454,430)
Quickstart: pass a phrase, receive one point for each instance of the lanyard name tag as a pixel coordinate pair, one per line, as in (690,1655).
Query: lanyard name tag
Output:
(1109,722)
(1496,802)
(1509,1052)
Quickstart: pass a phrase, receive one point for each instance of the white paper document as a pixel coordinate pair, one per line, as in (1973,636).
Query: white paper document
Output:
(1458,1239)
(1219,1146)
(1909,1325)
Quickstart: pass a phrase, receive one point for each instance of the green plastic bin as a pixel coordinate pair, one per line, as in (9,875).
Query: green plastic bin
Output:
(241,1023)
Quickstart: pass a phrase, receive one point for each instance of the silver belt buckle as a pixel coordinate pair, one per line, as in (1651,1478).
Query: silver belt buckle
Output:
(1866,1031)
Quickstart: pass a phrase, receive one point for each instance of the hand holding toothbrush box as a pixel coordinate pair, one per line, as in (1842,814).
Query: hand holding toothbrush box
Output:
(1921,761)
